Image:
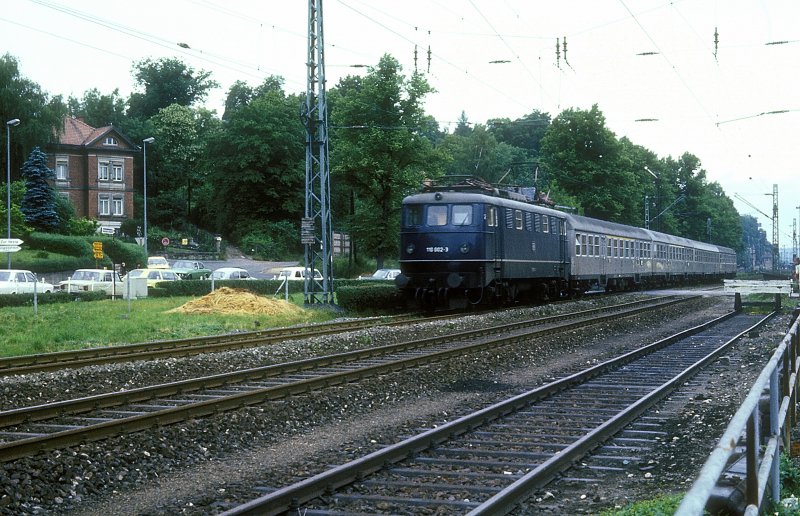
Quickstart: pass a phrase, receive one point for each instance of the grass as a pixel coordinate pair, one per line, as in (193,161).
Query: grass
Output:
(78,325)
(661,506)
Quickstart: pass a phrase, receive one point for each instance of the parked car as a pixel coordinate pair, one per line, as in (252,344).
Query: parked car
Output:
(297,274)
(154,275)
(191,269)
(16,281)
(231,273)
(157,262)
(382,274)
(87,280)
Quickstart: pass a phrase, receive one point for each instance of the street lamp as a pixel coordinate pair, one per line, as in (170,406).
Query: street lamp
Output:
(9,125)
(144,192)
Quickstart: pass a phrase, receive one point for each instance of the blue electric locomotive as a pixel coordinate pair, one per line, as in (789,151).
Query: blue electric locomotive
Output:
(474,244)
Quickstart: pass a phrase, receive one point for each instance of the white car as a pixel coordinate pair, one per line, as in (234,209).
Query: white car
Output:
(15,281)
(231,273)
(84,280)
(382,274)
(297,274)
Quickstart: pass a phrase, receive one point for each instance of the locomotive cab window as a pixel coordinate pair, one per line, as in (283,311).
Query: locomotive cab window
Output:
(462,215)
(545,224)
(437,215)
(414,215)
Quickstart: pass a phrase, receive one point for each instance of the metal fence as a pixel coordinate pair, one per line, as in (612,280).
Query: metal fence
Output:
(778,382)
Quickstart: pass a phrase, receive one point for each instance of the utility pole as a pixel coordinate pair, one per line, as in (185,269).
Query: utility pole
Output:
(316,231)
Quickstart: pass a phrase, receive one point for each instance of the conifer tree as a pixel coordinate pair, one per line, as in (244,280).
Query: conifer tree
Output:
(39,202)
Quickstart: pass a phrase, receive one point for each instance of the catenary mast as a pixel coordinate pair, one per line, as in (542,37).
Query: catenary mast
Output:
(316,230)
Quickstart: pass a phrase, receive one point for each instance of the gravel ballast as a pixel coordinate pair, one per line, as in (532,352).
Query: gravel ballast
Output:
(199,466)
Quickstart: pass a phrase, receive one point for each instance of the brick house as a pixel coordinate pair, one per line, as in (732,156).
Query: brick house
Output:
(94,168)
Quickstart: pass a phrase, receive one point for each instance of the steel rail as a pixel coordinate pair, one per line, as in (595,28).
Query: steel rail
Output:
(291,498)
(31,445)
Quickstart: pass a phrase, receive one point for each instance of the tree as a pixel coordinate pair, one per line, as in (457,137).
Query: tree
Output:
(583,157)
(379,150)
(99,110)
(41,115)
(524,133)
(167,81)
(256,160)
(480,154)
(39,203)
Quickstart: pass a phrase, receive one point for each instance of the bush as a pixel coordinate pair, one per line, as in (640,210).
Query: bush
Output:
(270,240)
(367,298)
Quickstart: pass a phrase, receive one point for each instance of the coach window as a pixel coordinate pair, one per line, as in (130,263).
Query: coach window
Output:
(462,215)
(545,224)
(518,219)
(437,215)
(584,251)
(491,216)
(597,246)
(577,244)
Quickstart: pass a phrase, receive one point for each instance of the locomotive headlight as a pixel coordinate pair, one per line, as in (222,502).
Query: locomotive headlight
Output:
(410,248)
(464,248)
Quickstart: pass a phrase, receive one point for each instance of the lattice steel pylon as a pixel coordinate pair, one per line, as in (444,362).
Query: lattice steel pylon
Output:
(776,248)
(316,230)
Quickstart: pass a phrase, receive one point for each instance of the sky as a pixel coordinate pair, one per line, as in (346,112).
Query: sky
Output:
(652,66)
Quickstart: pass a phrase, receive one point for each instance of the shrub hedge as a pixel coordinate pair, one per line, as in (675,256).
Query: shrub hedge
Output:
(62,253)
(61,244)
(49,298)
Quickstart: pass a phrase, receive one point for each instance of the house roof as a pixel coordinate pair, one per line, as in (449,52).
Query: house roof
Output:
(77,132)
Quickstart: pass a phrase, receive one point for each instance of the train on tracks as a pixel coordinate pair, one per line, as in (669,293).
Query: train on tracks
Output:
(471,244)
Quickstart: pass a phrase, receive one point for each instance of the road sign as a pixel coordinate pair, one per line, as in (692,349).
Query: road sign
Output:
(97,246)
(165,241)
(9,248)
(107,230)
(10,241)
(98,255)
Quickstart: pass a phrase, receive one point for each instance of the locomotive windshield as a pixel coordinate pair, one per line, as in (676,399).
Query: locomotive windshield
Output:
(435,215)
(462,214)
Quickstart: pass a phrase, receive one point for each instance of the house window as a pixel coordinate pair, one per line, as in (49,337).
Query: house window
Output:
(109,170)
(104,205)
(110,140)
(62,169)
(116,205)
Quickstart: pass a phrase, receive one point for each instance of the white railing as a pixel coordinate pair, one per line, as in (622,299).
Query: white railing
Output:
(779,380)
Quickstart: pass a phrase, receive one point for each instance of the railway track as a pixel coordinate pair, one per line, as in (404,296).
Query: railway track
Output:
(491,461)
(29,430)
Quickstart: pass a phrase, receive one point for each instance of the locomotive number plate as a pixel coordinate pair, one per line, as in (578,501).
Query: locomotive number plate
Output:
(437,249)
